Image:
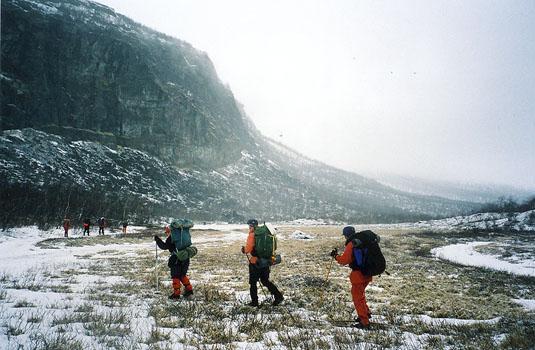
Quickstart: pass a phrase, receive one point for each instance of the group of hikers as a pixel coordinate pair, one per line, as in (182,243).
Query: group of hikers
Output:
(86,225)
(362,254)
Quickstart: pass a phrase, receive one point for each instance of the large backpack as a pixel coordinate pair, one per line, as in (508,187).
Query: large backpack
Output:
(367,256)
(265,242)
(180,234)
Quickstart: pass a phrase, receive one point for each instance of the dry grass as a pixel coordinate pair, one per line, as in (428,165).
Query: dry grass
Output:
(216,316)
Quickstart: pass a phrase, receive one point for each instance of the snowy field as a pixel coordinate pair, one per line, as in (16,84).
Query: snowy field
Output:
(445,290)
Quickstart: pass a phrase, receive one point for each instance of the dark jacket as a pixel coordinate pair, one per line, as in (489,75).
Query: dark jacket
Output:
(168,244)
(177,267)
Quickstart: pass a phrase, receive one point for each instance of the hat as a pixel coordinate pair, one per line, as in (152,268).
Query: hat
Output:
(252,222)
(348,231)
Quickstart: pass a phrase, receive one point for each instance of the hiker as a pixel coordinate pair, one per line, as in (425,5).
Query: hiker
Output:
(86,224)
(259,268)
(359,276)
(178,242)
(101,225)
(66,226)
(125,224)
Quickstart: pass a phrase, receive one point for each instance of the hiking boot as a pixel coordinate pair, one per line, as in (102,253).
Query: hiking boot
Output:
(188,293)
(278,300)
(174,296)
(360,325)
(253,304)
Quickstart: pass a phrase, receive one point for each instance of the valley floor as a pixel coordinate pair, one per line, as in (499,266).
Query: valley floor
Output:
(101,292)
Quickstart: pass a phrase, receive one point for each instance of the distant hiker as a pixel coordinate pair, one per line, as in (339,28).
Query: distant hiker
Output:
(125,224)
(101,225)
(66,226)
(363,255)
(260,261)
(178,243)
(86,224)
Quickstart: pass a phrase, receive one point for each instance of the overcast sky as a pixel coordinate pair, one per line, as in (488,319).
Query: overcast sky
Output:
(434,89)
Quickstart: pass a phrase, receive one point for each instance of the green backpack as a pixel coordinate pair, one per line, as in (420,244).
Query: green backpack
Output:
(265,242)
(180,234)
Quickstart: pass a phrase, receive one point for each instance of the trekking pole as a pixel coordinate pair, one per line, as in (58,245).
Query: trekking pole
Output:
(156,269)
(326,281)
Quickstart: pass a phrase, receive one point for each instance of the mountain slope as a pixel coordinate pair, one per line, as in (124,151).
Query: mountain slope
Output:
(452,190)
(79,64)
(103,115)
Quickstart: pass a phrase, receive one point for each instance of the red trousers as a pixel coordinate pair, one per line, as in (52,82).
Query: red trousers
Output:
(176,284)
(359,282)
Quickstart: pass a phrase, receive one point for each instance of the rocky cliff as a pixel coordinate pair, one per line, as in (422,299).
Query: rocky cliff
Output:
(81,70)
(103,115)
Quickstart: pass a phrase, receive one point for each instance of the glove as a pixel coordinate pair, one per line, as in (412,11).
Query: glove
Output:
(243,250)
(334,253)
(156,238)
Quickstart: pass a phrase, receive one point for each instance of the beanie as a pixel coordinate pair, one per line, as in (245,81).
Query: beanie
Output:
(348,231)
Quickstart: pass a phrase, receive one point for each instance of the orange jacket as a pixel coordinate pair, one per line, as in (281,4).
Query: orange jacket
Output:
(249,246)
(356,277)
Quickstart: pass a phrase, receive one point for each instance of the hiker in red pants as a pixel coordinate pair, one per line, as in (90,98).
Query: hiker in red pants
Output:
(86,224)
(359,281)
(66,226)
(179,269)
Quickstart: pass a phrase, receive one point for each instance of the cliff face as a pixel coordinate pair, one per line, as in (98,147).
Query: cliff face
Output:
(80,65)
(103,116)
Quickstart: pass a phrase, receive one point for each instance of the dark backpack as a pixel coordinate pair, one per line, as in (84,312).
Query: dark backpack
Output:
(367,255)
(265,242)
(180,234)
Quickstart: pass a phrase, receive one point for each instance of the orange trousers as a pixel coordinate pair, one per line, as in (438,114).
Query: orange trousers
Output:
(359,282)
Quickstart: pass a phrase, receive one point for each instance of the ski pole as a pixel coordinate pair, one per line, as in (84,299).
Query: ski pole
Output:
(156,268)
(326,281)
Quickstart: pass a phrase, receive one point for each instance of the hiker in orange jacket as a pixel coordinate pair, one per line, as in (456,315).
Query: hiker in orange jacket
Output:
(359,281)
(257,270)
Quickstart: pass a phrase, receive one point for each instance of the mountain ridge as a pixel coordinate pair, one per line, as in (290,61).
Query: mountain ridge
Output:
(191,138)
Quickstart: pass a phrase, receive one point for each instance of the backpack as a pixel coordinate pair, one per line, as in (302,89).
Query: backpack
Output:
(185,254)
(265,242)
(367,256)
(180,235)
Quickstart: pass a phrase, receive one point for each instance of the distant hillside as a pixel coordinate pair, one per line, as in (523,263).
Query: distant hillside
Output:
(101,115)
(454,190)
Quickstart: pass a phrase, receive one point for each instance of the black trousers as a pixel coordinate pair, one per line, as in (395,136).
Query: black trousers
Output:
(262,274)
(178,268)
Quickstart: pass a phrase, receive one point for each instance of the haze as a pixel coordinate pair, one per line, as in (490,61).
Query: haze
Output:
(441,90)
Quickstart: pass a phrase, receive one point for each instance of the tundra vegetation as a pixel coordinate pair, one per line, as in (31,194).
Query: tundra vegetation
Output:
(109,297)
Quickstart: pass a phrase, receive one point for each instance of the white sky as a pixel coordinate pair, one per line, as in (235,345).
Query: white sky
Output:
(435,89)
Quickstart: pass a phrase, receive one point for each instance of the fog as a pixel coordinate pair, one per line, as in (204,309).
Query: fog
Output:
(440,90)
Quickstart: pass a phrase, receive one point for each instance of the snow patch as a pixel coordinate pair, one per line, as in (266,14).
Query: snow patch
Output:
(527,304)
(465,254)
(448,321)
(301,235)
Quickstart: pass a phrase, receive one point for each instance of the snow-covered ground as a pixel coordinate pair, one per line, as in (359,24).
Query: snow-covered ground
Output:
(19,252)
(27,290)
(524,221)
(465,254)
(31,283)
